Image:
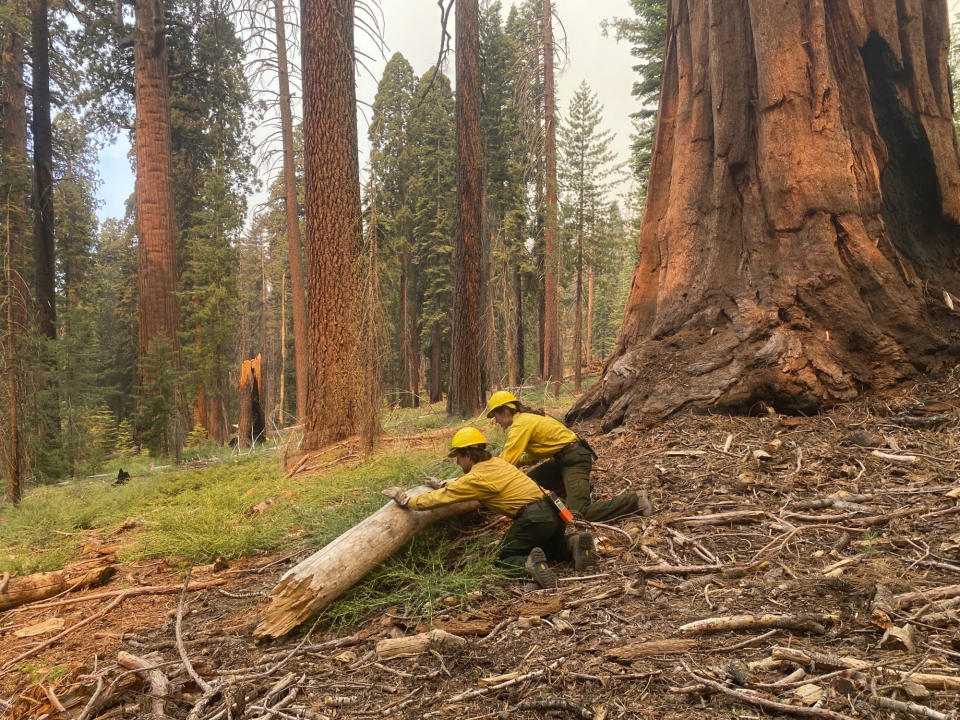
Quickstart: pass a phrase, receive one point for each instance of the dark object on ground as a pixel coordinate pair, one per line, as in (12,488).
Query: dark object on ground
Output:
(122,477)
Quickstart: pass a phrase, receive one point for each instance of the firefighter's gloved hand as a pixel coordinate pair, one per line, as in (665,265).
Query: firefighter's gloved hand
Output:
(398,495)
(434,483)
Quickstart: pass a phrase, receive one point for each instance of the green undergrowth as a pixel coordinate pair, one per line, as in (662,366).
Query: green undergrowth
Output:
(438,569)
(201,513)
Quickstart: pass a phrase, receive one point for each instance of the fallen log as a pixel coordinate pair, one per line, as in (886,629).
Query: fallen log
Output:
(807,622)
(633,651)
(39,586)
(417,644)
(912,598)
(806,657)
(312,585)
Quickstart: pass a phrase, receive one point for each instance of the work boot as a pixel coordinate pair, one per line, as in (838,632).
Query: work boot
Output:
(536,565)
(581,550)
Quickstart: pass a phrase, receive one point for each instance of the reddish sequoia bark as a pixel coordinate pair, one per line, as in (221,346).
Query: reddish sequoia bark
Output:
(801,224)
(553,368)
(294,245)
(465,394)
(158,314)
(332,187)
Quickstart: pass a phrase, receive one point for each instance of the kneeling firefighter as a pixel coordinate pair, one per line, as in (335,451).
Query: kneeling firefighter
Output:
(537,532)
(533,436)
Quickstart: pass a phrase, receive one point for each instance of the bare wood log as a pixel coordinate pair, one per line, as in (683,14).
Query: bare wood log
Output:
(417,644)
(310,586)
(896,459)
(805,657)
(629,653)
(812,622)
(912,598)
(909,708)
(764,702)
(941,613)
(153,676)
(733,517)
(39,586)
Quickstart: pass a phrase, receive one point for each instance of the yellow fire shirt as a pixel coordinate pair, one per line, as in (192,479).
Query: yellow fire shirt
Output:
(532,437)
(498,485)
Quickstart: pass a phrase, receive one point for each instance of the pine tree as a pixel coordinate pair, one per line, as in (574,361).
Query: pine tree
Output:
(433,194)
(587,175)
(393,157)
(646,33)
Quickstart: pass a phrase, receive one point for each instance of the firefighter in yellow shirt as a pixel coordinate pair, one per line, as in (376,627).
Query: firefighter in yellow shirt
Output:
(537,532)
(533,436)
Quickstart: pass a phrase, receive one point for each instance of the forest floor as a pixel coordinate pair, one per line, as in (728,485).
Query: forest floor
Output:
(834,542)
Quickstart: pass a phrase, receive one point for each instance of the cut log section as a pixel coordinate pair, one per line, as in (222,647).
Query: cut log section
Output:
(39,586)
(629,653)
(309,587)
(418,644)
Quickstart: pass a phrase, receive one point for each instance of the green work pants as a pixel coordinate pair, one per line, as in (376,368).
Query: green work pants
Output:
(568,474)
(539,526)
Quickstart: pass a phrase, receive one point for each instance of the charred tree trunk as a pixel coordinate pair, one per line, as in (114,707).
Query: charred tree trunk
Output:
(251,425)
(551,330)
(283,347)
(801,225)
(465,395)
(157,273)
(332,185)
(294,244)
(43,171)
(14,176)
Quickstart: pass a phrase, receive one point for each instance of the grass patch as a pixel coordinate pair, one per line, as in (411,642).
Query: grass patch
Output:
(199,514)
(436,565)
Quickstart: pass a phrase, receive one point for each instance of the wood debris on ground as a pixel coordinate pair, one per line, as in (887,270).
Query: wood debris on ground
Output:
(817,578)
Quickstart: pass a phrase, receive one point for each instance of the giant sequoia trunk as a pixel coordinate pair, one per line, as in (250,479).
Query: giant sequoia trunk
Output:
(332,194)
(294,245)
(800,233)
(157,272)
(465,395)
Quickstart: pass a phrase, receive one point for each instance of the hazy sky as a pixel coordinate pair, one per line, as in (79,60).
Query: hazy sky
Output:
(412,27)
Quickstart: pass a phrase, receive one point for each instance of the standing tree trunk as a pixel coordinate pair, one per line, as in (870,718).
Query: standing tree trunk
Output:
(436,362)
(801,228)
(551,331)
(409,345)
(509,323)
(465,396)
(283,346)
(157,274)
(294,244)
(518,322)
(589,343)
(332,185)
(372,397)
(14,176)
(43,171)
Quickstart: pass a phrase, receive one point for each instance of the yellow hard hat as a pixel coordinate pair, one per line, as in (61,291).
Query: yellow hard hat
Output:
(465,437)
(500,397)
